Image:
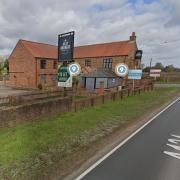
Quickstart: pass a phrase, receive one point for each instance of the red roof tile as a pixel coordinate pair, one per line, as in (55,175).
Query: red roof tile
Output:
(41,50)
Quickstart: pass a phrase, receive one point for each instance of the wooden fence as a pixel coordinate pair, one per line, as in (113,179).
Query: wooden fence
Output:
(12,116)
(108,97)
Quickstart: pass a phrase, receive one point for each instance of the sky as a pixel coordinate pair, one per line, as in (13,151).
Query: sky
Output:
(156,23)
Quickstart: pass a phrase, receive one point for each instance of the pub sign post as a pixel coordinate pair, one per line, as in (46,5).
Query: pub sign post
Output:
(66,47)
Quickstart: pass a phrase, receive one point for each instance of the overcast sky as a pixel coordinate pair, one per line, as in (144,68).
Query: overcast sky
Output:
(156,23)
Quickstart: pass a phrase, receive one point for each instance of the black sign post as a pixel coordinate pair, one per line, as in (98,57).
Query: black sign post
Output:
(66,47)
(65,53)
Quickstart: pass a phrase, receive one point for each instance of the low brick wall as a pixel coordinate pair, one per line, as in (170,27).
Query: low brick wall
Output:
(24,113)
(28,112)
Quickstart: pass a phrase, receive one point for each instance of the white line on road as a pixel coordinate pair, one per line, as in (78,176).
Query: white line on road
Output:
(123,142)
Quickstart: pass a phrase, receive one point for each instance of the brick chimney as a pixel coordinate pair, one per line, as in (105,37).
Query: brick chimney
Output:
(133,36)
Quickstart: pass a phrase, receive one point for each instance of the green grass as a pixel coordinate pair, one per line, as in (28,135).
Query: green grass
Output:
(31,150)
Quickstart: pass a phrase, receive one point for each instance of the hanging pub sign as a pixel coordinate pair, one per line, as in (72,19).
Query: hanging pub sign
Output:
(138,54)
(64,77)
(66,46)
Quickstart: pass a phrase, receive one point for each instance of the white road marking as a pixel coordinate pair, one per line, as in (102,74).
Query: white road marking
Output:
(174,141)
(173,154)
(123,142)
(174,147)
(175,136)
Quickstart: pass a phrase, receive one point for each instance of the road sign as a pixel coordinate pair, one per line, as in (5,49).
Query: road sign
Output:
(121,70)
(66,46)
(64,77)
(155,73)
(74,69)
(135,74)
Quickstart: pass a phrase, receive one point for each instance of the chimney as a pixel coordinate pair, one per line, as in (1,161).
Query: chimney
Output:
(133,36)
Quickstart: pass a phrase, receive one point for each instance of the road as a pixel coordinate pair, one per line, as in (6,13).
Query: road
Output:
(151,153)
(166,85)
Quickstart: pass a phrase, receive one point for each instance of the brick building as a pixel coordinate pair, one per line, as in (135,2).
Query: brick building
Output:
(33,63)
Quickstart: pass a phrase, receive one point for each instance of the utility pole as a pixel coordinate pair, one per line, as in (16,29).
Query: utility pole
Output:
(150,63)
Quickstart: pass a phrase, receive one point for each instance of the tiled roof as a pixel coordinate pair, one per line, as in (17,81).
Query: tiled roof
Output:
(121,48)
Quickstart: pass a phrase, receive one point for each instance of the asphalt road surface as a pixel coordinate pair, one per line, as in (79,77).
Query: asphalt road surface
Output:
(153,153)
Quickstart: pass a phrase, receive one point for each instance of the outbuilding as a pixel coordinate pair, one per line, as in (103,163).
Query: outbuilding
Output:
(93,80)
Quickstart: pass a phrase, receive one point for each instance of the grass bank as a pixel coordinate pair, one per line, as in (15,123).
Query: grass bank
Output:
(35,150)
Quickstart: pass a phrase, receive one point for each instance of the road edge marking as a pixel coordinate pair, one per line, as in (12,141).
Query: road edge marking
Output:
(124,141)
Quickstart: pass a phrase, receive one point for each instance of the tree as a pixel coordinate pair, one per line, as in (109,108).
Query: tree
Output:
(170,68)
(6,64)
(158,66)
(146,69)
(4,68)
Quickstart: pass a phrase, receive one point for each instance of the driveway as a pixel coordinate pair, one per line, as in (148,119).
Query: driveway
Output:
(8,91)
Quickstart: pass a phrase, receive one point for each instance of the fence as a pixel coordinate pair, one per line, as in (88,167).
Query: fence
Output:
(33,97)
(167,77)
(14,115)
(4,100)
(112,96)
(40,95)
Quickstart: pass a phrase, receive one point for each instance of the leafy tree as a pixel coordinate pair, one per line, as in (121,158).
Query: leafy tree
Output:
(146,69)
(158,66)
(4,67)
(170,68)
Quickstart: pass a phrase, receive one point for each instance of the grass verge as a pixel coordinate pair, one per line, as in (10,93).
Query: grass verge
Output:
(34,150)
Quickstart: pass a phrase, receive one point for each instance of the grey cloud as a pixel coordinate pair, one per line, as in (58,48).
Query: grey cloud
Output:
(94,21)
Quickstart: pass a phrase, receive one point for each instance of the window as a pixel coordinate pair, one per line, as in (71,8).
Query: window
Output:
(87,62)
(43,64)
(107,63)
(54,78)
(43,77)
(55,64)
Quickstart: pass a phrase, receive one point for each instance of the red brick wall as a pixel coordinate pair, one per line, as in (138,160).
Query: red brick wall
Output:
(25,70)
(98,62)
(22,67)
(48,73)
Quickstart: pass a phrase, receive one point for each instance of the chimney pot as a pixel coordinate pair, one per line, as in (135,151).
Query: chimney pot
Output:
(133,36)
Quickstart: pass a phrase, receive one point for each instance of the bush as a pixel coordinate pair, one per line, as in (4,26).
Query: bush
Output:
(40,86)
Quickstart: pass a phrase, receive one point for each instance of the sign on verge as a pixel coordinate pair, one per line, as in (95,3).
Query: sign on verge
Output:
(135,74)
(64,77)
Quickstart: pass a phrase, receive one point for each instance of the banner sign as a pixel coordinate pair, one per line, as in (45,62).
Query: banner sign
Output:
(138,54)
(155,73)
(135,74)
(66,46)
(64,77)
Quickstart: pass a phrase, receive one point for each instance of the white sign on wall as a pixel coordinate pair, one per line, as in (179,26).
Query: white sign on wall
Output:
(155,73)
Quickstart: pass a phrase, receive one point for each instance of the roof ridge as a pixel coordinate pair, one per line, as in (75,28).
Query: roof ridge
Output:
(104,43)
(37,42)
(125,41)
